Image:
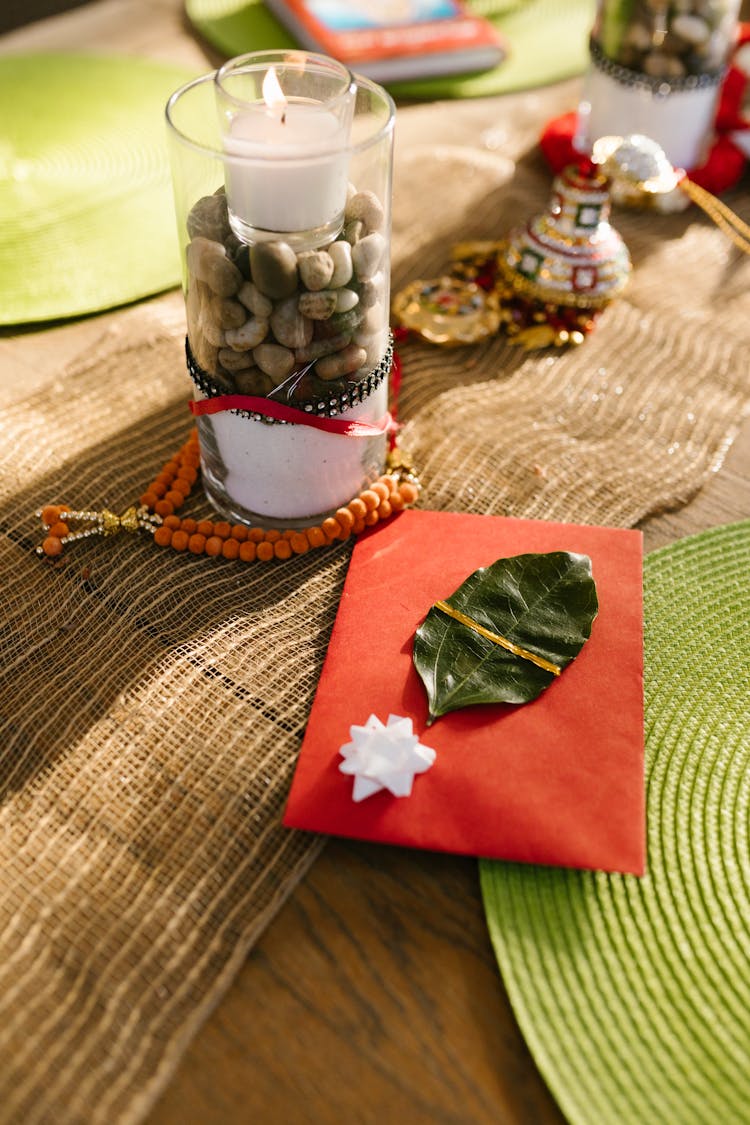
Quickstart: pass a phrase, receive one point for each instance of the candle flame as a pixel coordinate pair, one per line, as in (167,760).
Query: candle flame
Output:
(273,95)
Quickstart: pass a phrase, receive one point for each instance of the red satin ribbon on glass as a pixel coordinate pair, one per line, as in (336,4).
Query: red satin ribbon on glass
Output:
(281,413)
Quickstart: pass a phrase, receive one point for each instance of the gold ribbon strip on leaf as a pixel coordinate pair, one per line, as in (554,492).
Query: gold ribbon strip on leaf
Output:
(462,618)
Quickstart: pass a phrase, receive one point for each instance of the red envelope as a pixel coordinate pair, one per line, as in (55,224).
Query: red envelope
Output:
(556,781)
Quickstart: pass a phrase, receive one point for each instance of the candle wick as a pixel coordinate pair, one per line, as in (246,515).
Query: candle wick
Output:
(283,118)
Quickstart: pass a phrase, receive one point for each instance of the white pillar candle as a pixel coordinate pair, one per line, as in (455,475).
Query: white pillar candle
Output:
(287,165)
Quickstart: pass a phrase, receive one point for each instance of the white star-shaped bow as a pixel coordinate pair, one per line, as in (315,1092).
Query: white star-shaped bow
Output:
(384,757)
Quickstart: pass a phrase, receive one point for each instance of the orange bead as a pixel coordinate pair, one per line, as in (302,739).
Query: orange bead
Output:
(265,551)
(315,537)
(409,492)
(282,548)
(52,546)
(51,512)
(181,486)
(172,468)
(174,522)
(189,525)
(397,502)
(158,488)
(222,529)
(248,551)
(370,499)
(272,536)
(164,478)
(345,519)
(188,473)
(239,532)
(59,530)
(331,528)
(163,508)
(180,540)
(197,543)
(359,527)
(288,533)
(381,489)
(230,549)
(176,499)
(256,534)
(214,545)
(163,536)
(391,483)
(372,518)
(299,543)
(385,509)
(149,498)
(357,507)
(205,527)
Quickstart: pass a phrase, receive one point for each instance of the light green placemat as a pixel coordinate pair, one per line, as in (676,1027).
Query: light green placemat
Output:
(634,994)
(548,41)
(86,209)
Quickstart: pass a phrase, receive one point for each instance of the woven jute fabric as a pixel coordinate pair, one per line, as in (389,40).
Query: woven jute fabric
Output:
(152,704)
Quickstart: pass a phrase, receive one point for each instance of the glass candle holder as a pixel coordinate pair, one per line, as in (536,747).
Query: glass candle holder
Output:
(656,68)
(302,106)
(284,222)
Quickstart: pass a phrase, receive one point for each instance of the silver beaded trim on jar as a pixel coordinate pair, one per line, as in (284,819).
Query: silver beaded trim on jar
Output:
(330,407)
(659,86)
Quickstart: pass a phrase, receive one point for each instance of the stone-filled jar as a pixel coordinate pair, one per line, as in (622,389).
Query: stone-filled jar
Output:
(656,69)
(282,175)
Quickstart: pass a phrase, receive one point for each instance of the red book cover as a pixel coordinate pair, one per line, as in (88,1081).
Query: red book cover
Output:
(391,40)
(556,781)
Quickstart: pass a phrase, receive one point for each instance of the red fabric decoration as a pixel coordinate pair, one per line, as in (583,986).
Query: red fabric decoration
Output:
(288,414)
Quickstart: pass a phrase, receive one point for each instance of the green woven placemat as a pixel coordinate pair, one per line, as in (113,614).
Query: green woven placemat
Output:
(548,41)
(86,208)
(634,994)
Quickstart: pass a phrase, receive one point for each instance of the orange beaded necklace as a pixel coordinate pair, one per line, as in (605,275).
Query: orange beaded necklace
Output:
(390,493)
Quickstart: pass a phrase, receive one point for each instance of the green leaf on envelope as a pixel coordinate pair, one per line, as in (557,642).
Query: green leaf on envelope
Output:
(541,605)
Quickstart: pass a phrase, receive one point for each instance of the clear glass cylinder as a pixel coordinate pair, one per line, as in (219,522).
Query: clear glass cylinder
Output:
(656,68)
(283,213)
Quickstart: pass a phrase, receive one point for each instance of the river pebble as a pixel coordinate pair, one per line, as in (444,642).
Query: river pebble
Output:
(315,269)
(366,206)
(209,218)
(289,323)
(274,360)
(320,305)
(252,333)
(274,268)
(207,260)
(341,254)
(252,298)
(367,255)
(345,362)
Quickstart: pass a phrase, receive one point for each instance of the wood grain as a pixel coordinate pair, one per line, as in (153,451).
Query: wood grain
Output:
(373,997)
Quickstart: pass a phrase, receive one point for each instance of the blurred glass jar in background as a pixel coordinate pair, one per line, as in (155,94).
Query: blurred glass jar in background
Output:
(656,68)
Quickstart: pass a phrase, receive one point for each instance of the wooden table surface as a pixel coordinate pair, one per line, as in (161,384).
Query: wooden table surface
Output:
(373,996)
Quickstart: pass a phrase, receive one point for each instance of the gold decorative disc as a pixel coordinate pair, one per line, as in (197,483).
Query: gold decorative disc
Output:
(447,310)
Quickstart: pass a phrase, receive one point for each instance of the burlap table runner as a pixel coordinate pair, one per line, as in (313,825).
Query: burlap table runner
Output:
(152,705)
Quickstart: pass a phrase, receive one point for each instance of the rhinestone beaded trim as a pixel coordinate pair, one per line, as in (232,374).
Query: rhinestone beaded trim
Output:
(329,407)
(659,87)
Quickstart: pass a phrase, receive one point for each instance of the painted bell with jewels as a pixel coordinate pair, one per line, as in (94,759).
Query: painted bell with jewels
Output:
(558,270)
